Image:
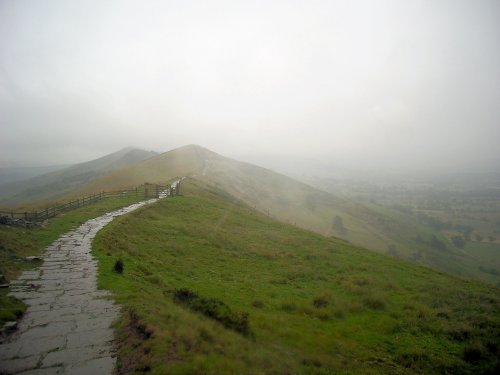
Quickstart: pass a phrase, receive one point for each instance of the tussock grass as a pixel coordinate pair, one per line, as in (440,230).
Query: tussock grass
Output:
(214,309)
(315,305)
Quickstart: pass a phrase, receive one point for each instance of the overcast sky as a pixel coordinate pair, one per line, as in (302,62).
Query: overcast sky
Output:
(390,83)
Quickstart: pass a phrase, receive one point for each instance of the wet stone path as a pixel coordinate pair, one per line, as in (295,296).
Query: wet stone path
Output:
(67,326)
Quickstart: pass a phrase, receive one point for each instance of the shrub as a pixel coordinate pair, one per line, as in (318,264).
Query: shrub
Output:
(460,331)
(323,315)
(413,358)
(444,314)
(458,241)
(320,302)
(139,328)
(118,267)
(214,309)
(339,314)
(258,304)
(362,282)
(473,352)
(288,307)
(374,302)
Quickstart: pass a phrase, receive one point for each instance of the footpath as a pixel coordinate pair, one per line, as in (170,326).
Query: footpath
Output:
(67,326)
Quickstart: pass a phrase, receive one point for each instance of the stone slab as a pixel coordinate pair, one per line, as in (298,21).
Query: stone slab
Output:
(66,328)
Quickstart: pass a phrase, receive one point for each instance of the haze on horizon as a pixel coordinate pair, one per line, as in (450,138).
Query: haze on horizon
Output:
(386,84)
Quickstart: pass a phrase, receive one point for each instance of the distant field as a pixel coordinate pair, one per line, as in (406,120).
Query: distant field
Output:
(195,265)
(464,221)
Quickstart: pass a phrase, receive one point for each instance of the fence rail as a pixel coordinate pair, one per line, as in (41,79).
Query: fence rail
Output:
(146,191)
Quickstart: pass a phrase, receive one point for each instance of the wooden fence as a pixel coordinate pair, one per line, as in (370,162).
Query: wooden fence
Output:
(146,191)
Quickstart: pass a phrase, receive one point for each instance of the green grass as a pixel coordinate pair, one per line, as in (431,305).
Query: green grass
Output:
(315,305)
(366,223)
(16,243)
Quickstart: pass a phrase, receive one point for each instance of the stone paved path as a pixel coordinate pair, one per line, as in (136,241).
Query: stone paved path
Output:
(66,328)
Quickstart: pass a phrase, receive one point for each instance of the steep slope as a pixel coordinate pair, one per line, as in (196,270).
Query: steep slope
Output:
(374,227)
(269,192)
(62,182)
(293,202)
(184,161)
(212,287)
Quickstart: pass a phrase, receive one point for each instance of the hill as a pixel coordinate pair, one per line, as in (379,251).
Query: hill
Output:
(372,226)
(277,195)
(9,175)
(60,183)
(211,286)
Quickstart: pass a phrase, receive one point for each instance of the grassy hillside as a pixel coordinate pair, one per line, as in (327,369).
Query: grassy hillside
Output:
(288,200)
(184,161)
(280,197)
(210,286)
(269,192)
(370,225)
(60,183)
(9,175)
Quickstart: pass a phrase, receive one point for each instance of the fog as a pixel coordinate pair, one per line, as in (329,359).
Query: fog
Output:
(372,84)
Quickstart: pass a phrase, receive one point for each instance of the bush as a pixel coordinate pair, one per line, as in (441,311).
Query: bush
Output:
(374,302)
(473,352)
(118,267)
(258,304)
(214,309)
(320,302)
(458,241)
(460,331)
(288,307)
(414,358)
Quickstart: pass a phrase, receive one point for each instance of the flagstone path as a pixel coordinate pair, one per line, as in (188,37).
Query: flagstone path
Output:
(67,326)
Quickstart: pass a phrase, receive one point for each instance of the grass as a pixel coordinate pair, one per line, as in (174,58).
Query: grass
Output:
(16,243)
(365,222)
(315,305)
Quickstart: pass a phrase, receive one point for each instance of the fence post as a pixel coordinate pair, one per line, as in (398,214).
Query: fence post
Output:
(25,216)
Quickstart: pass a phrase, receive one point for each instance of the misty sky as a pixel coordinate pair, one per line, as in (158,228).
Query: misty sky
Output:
(390,83)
